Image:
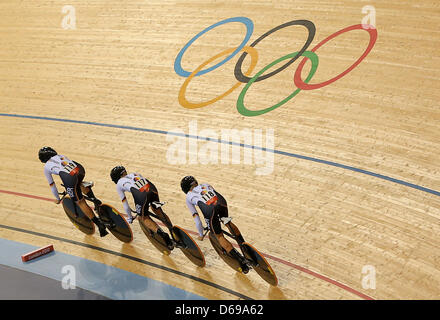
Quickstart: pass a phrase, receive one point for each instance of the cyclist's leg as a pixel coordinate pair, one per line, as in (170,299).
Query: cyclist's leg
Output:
(223,213)
(72,185)
(153,226)
(88,189)
(153,196)
(211,212)
(79,195)
(150,223)
(87,210)
(233,229)
(164,218)
(149,197)
(216,228)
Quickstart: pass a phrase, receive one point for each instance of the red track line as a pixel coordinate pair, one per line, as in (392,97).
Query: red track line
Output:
(287,263)
(319,276)
(26,195)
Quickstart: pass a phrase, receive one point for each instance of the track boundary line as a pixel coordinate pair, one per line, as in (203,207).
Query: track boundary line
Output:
(279,152)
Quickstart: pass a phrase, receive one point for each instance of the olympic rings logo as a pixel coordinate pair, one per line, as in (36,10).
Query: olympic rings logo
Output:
(244,78)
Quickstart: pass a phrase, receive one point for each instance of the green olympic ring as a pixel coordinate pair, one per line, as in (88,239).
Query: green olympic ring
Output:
(250,113)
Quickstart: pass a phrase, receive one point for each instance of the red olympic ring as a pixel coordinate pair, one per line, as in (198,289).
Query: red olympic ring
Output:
(305,86)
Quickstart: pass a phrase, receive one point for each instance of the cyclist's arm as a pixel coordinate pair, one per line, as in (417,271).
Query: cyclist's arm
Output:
(193,210)
(199,224)
(52,185)
(124,200)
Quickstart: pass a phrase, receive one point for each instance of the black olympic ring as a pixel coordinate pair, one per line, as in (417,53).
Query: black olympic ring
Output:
(306,23)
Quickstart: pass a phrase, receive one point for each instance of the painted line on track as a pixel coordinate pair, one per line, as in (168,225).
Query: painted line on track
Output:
(279,152)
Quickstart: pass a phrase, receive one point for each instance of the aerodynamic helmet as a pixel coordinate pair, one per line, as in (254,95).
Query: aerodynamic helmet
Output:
(187,182)
(46,153)
(116,173)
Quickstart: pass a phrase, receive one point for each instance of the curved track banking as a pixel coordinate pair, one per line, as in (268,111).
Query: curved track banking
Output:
(351,193)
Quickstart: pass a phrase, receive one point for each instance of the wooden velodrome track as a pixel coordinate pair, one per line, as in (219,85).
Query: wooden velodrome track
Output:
(356,175)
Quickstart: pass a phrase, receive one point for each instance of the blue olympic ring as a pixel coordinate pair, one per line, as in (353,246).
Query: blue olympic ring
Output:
(249,29)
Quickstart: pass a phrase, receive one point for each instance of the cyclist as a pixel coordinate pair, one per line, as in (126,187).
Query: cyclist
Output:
(214,209)
(71,174)
(144,194)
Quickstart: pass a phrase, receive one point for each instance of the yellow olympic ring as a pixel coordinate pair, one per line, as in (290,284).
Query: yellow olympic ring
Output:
(189,105)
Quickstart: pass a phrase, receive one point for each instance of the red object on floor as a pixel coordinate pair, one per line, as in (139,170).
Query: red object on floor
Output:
(37,253)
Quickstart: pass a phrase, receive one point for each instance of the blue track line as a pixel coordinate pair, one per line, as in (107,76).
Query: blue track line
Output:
(283,153)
